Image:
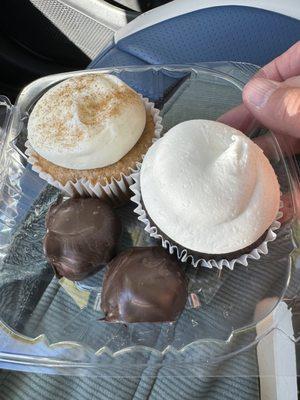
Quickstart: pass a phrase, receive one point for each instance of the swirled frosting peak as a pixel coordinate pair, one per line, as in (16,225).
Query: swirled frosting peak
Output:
(209,188)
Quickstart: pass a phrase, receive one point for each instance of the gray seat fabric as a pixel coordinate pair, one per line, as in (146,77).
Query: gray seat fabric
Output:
(21,386)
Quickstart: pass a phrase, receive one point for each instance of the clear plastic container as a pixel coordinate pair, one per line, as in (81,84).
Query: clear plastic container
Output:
(49,325)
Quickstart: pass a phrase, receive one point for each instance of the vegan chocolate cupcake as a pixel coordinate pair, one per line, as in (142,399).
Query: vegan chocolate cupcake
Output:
(209,194)
(87,134)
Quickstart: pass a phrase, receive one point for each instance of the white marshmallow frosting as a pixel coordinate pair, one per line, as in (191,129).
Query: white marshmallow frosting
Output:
(209,188)
(90,121)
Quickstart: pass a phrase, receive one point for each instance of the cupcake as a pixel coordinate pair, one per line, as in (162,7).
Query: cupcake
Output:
(87,134)
(209,194)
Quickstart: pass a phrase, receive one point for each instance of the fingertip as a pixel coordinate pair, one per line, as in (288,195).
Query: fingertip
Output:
(257,92)
(275,106)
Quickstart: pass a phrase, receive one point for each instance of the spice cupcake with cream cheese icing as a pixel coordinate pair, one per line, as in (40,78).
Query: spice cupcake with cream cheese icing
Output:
(209,194)
(87,134)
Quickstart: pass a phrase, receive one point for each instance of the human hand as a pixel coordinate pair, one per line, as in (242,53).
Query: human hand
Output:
(272,99)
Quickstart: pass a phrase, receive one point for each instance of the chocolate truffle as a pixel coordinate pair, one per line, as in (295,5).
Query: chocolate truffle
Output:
(82,234)
(143,284)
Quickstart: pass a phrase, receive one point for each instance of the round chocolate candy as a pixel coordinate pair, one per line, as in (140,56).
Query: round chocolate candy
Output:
(82,234)
(143,284)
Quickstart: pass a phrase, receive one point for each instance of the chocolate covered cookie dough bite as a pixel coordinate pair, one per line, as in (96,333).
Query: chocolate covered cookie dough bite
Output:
(82,236)
(143,284)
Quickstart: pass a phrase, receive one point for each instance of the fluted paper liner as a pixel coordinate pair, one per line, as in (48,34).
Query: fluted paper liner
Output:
(183,255)
(117,190)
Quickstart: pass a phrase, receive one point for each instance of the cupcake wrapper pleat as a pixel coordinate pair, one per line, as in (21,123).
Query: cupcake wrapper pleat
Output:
(117,191)
(184,255)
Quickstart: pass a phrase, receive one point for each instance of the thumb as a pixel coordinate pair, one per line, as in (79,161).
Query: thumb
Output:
(274,104)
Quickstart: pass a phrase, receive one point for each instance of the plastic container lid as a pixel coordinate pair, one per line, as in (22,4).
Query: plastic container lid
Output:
(50,325)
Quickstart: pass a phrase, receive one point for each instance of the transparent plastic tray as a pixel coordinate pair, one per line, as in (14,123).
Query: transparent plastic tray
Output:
(50,325)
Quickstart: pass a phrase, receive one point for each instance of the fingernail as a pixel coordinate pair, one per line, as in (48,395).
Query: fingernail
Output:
(258,91)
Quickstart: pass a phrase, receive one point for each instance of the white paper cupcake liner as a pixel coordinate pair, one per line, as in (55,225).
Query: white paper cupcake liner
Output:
(117,190)
(183,255)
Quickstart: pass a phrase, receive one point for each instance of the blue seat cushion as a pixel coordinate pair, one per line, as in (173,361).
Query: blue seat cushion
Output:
(231,33)
(215,34)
